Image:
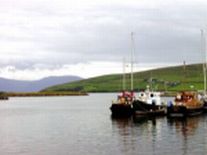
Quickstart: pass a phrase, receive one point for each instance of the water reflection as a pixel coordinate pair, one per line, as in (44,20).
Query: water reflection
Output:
(122,129)
(188,129)
(135,121)
(187,126)
(82,125)
(122,125)
(140,120)
(161,135)
(137,134)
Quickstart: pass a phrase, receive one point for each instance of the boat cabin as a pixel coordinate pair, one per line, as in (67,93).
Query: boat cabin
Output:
(187,98)
(126,97)
(149,97)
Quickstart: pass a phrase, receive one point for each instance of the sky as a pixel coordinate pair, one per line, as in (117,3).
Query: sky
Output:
(87,38)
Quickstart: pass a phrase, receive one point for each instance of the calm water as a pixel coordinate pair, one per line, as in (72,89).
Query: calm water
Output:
(82,125)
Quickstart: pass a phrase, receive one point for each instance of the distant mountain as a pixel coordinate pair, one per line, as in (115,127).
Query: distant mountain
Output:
(10,85)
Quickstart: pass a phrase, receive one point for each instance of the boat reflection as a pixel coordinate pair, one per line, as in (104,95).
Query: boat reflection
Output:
(123,130)
(121,123)
(155,134)
(140,120)
(136,130)
(135,121)
(132,121)
(187,129)
(187,126)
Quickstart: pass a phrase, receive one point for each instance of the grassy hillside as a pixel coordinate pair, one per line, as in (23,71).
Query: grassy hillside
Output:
(171,79)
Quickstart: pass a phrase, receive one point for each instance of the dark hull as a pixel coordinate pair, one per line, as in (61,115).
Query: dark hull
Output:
(4,98)
(121,110)
(161,112)
(205,107)
(142,108)
(182,111)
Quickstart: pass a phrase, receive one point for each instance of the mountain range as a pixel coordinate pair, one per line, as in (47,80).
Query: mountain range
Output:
(9,85)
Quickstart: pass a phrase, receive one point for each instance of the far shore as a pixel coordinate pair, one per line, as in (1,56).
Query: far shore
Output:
(28,94)
(65,93)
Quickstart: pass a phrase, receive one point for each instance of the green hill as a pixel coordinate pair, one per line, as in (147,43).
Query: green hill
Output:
(170,79)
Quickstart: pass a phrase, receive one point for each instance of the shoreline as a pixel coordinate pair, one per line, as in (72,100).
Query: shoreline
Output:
(37,94)
(33,94)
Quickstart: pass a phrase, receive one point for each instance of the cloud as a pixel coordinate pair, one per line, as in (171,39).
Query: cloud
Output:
(85,70)
(59,32)
(41,70)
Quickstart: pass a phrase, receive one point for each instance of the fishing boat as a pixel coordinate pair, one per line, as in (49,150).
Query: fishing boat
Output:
(149,103)
(204,94)
(122,107)
(186,103)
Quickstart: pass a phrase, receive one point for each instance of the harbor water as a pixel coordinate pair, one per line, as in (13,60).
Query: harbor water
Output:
(83,125)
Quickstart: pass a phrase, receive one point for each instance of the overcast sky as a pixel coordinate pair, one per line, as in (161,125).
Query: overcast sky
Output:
(87,38)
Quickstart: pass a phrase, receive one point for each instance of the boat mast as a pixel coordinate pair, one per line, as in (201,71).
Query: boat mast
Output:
(132,60)
(124,76)
(203,49)
(184,70)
